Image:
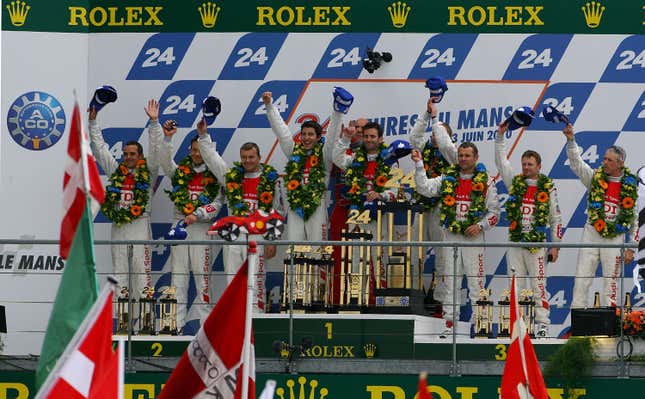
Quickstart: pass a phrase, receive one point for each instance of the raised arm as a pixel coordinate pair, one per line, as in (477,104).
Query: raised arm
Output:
(501,161)
(418,137)
(425,186)
(331,138)
(340,156)
(214,162)
(280,129)
(154,137)
(99,147)
(576,163)
(168,165)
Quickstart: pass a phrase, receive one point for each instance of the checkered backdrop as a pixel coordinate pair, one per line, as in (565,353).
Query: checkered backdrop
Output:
(597,80)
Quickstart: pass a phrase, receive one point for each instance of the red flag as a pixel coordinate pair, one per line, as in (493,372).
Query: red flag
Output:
(81,176)
(212,363)
(522,376)
(88,368)
(422,392)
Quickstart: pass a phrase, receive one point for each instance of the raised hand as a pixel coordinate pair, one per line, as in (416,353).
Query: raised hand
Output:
(568,131)
(152,109)
(91,113)
(201,126)
(266,97)
(169,128)
(416,155)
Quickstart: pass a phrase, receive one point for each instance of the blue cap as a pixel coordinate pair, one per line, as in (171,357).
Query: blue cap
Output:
(437,86)
(211,107)
(342,100)
(178,232)
(521,117)
(103,95)
(397,150)
(553,115)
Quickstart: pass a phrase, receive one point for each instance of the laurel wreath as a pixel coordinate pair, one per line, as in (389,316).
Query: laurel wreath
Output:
(111,206)
(434,164)
(305,199)
(542,205)
(357,182)
(596,204)
(235,194)
(180,196)
(448,216)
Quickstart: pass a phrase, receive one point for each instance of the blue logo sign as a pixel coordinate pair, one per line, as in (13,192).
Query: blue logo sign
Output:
(160,56)
(253,56)
(537,57)
(443,55)
(628,62)
(36,120)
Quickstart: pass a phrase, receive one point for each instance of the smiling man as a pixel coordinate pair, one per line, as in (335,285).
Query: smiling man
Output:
(611,200)
(532,208)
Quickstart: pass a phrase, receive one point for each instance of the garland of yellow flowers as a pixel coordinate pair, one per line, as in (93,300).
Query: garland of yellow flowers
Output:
(355,176)
(596,208)
(111,206)
(235,194)
(541,215)
(183,175)
(305,199)
(477,210)
(434,164)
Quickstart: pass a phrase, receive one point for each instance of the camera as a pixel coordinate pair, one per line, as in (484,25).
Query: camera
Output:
(374,60)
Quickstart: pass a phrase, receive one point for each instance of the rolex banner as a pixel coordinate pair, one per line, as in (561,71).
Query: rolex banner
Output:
(578,56)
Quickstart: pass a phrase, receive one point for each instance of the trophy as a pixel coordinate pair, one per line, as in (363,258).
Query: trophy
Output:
(527,305)
(504,316)
(298,256)
(122,312)
(322,282)
(147,316)
(356,263)
(484,315)
(628,302)
(168,312)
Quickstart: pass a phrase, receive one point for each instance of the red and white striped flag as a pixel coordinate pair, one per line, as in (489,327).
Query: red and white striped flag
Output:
(81,177)
(422,391)
(522,378)
(212,363)
(89,368)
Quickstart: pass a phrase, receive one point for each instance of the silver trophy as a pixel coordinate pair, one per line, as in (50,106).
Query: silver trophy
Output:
(168,311)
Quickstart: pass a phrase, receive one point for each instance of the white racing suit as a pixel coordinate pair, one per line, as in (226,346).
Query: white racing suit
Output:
(235,255)
(526,263)
(138,229)
(197,259)
(315,227)
(588,258)
(470,260)
(344,160)
(432,230)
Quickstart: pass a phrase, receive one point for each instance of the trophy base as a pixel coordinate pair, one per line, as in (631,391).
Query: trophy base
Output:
(147,332)
(168,331)
(316,307)
(484,334)
(399,301)
(503,335)
(350,308)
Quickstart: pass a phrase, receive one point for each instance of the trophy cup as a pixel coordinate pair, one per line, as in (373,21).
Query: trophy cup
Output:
(355,265)
(168,312)
(527,305)
(298,293)
(484,315)
(147,317)
(122,313)
(628,303)
(320,285)
(504,316)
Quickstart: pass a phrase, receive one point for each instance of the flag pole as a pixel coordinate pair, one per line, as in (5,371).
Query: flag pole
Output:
(252,258)
(521,334)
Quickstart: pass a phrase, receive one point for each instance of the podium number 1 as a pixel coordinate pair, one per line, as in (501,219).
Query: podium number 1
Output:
(328,325)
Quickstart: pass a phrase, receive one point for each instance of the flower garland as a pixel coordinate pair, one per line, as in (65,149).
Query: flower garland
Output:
(235,194)
(111,206)
(542,205)
(448,216)
(305,199)
(355,176)
(434,164)
(596,208)
(184,174)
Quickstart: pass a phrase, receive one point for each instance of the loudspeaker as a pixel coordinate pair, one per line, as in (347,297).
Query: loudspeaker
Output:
(3,320)
(594,321)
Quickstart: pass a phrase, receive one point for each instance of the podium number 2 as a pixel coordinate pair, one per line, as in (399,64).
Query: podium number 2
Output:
(157,348)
